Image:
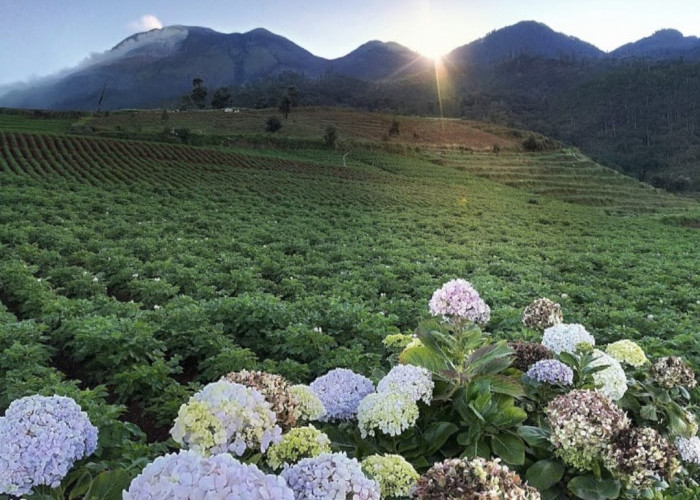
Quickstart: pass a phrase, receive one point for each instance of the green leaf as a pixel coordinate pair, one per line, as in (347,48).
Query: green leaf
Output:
(509,447)
(545,473)
(489,360)
(590,488)
(108,485)
(504,385)
(534,436)
(649,412)
(508,417)
(424,357)
(437,434)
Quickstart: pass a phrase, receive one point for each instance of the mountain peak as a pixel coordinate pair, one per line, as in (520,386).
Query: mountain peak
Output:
(663,44)
(526,38)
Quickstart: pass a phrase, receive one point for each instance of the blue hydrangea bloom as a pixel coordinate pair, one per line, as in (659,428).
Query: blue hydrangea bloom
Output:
(551,371)
(330,476)
(341,390)
(220,477)
(41,437)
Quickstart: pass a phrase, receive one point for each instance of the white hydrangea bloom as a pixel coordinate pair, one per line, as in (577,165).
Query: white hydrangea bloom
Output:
(564,337)
(612,380)
(689,449)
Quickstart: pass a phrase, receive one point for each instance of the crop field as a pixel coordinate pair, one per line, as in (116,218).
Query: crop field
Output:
(134,272)
(310,123)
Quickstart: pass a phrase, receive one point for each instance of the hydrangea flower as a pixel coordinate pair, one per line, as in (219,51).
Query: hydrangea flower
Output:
(551,371)
(310,407)
(396,477)
(458,300)
(612,380)
(626,351)
(341,390)
(689,449)
(397,342)
(641,456)
(527,354)
(226,417)
(582,425)
(460,478)
(300,442)
(41,437)
(542,313)
(672,371)
(412,381)
(220,477)
(389,412)
(330,476)
(564,337)
(275,390)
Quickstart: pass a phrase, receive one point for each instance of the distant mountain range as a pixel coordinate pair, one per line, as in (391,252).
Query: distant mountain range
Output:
(154,68)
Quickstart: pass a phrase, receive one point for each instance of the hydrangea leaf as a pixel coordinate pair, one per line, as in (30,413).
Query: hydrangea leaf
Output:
(544,474)
(590,488)
(509,447)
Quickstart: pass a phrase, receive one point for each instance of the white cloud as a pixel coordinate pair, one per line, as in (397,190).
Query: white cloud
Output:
(145,23)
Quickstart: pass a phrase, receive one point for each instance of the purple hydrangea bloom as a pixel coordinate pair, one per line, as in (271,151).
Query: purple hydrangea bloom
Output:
(457,299)
(330,476)
(220,477)
(341,390)
(41,437)
(551,371)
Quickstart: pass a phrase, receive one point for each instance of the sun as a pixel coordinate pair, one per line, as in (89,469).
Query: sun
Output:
(430,39)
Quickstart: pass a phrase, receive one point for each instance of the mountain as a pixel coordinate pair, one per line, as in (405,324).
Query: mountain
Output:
(377,60)
(154,68)
(664,44)
(526,38)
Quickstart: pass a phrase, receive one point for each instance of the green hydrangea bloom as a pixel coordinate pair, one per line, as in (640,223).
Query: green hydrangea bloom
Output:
(391,413)
(310,406)
(298,443)
(396,477)
(626,351)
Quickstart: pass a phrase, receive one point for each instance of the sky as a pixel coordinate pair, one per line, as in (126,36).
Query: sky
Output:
(42,37)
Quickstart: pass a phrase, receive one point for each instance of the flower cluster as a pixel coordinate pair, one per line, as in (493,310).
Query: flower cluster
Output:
(527,354)
(330,476)
(341,390)
(689,449)
(458,300)
(551,371)
(612,380)
(397,342)
(300,442)
(226,417)
(542,314)
(641,456)
(626,351)
(396,477)
(310,406)
(412,381)
(390,413)
(672,371)
(565,337)
(189,475)
(475,478)
(41,437)
(582,423)
(275,390)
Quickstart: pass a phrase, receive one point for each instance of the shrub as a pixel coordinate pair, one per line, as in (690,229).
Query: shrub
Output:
(273,124)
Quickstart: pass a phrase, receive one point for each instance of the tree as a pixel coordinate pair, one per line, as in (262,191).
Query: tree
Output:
(285,106)
(330,137)
(222,98)
(289,100)
(199,93)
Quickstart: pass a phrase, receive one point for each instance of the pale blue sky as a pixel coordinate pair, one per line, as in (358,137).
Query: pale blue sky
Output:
(40,37)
